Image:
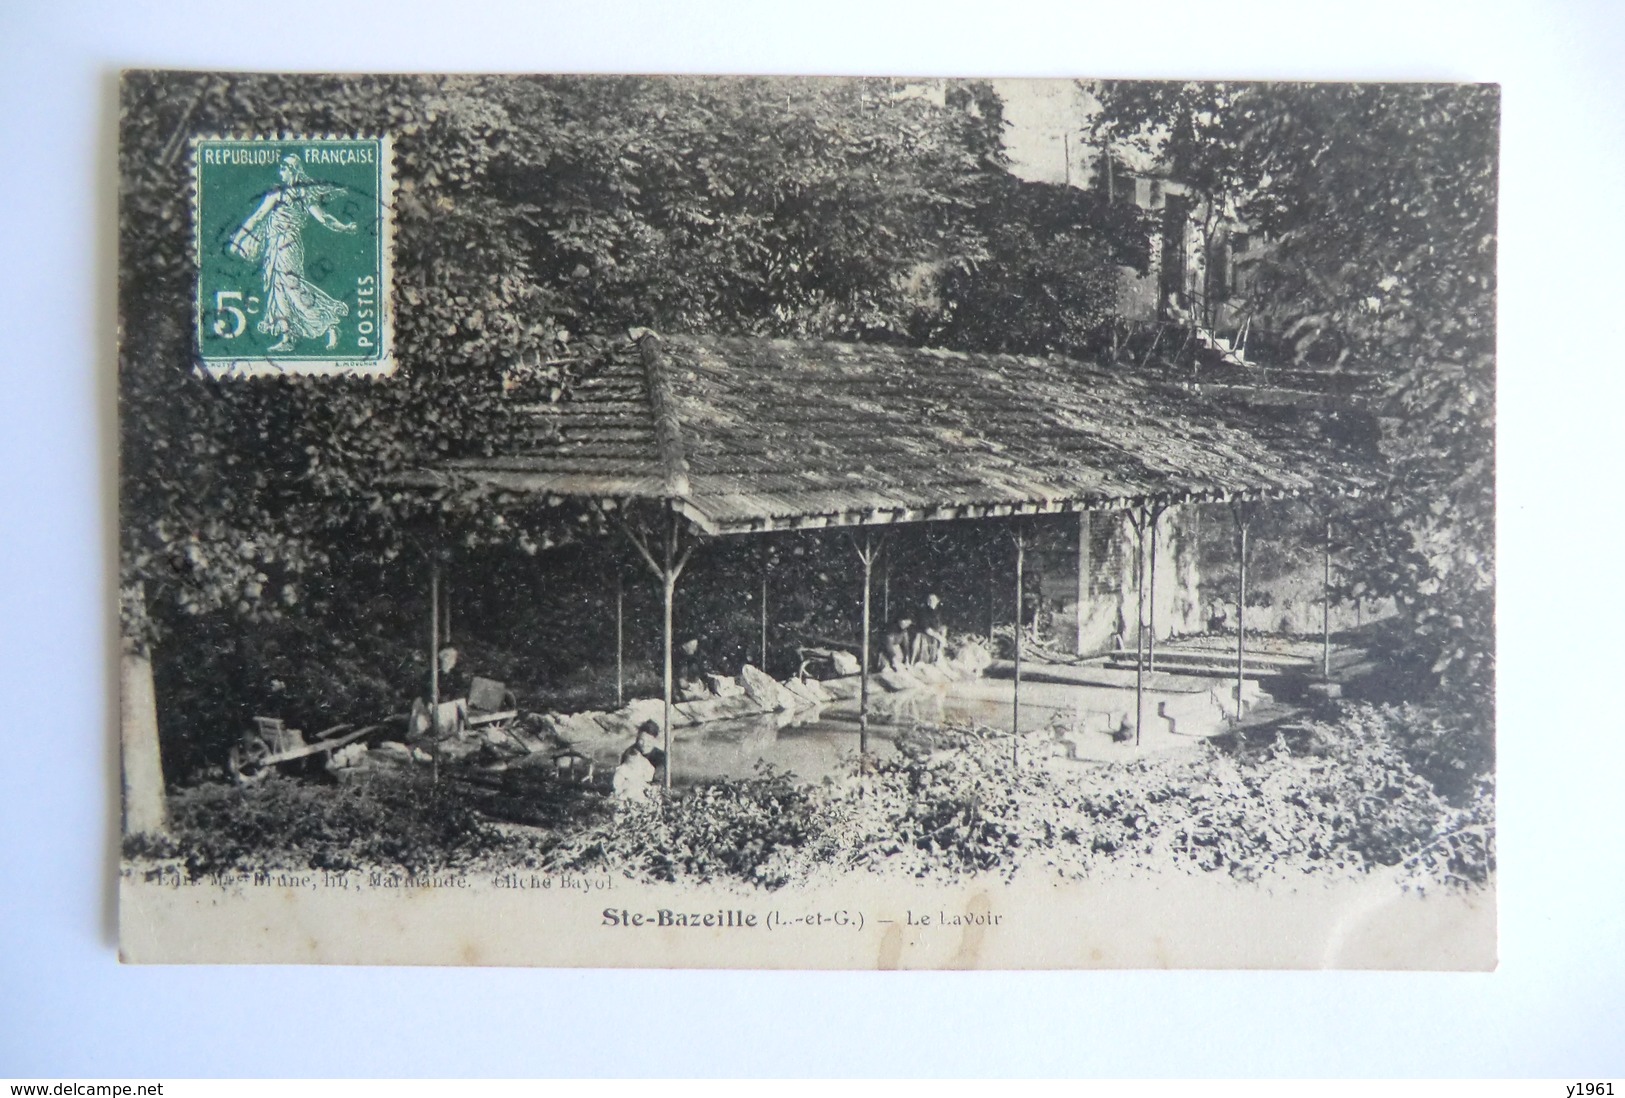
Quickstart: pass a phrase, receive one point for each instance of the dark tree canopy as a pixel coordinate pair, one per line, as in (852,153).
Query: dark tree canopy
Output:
(1049,283)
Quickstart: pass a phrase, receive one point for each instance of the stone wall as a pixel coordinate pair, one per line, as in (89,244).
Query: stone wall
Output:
(1195,576)
(1110,606)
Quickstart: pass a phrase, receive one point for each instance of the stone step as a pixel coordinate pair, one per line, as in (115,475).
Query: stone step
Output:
(1090,674)
(1218,655)
(1180,663)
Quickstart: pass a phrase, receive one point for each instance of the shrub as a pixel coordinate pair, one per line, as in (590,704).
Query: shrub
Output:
(726,829)
(1344,801)
(395,820)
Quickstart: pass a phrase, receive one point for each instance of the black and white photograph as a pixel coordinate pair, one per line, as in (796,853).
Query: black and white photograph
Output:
(807,522)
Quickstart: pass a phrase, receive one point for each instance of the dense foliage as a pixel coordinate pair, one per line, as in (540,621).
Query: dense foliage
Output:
(1049,282)
(1347,804)
(404,822)
(1377,790)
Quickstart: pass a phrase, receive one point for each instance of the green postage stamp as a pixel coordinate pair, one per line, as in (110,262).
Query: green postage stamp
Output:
(293,255)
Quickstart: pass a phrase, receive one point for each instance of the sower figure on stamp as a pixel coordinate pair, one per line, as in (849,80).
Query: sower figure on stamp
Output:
(273,236)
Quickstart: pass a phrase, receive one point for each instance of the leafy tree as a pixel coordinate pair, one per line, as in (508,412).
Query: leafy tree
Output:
(773,207)
(1381,209)
(1377,203)
(1049,281)
(1198,132)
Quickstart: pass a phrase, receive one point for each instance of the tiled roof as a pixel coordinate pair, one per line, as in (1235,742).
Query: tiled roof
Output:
(743,433)
(600,442)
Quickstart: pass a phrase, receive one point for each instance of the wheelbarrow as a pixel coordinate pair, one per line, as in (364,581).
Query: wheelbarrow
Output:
(491,705)
(272,743)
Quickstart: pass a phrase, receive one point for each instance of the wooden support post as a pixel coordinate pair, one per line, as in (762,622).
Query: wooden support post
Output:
(666,569)
(1326,609)
(867,556)
(885,593)
(1083,577)
(1015,693)
(434,663)
(669,589)
(1138,519)
(668,582)
(445,615)
(1154,519)
(1243,515)
(434,631)
(764,613)
(992,602)
(1241,625)
(620,637)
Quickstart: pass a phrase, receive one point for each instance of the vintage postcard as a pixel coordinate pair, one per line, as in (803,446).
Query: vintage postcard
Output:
(807,523)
